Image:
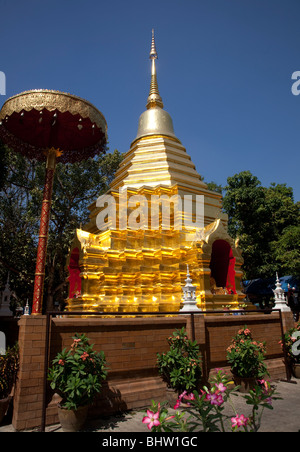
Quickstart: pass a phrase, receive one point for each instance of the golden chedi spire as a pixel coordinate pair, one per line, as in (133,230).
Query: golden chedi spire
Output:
(154,99)
(155,120)
(156,156)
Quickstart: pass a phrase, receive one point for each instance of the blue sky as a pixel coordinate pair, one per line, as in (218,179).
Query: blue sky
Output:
(224,72)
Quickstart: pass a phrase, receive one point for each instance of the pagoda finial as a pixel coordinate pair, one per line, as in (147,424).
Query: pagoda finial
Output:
(154,99)
(153,53)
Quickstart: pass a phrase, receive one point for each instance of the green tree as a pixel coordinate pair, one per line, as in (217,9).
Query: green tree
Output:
(287,250)
(3,165)
(213,186)
(75,187)
(18,228)
(261,217)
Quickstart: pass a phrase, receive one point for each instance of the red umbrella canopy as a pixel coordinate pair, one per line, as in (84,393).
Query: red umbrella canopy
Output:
(34,121)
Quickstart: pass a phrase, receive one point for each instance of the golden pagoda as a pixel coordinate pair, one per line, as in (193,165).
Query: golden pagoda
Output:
(157,218)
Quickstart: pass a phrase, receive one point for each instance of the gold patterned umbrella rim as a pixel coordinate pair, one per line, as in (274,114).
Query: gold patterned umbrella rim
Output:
(31,99)
(40,101)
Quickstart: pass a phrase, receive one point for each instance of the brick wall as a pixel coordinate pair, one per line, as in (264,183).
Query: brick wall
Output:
(220,330)
(130,346)
(28,394)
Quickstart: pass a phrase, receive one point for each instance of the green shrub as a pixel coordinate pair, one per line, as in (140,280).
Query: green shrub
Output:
(180,367)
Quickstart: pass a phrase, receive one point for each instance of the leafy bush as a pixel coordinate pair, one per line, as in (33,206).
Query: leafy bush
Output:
(77,374)
(180,367)
(246,356)
(9,366)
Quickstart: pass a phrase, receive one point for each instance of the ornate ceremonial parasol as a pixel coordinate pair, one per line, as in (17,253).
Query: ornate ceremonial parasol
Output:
(55,127)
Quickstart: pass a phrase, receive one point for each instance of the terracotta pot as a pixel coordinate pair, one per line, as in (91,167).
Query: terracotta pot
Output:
(72,420)
(296,370)
(4,405)
(245,384)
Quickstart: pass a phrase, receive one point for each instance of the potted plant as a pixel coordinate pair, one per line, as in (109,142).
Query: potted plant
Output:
(246,358)
(292,347)
(180,367)
(77,375)
(9,366)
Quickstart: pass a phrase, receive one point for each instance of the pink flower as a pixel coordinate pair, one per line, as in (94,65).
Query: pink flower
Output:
(151,419)
(75,342)
(184,396)
(220,387)
(215,398)
(61,361)
(266,386)
(263,383)
(177,404)
(239,421)
(84,356)
(189,396)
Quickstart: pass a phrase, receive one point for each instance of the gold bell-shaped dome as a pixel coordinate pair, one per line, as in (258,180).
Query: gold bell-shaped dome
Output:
(155,120)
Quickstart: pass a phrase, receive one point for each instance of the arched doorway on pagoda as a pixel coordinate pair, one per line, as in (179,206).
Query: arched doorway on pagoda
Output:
(222,266)
(74,274)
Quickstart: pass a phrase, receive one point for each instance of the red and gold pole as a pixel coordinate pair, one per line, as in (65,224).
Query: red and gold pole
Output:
(43,234)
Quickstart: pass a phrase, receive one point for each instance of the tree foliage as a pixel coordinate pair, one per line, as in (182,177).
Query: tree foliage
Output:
(75,187)
(213,186)
(266,222)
